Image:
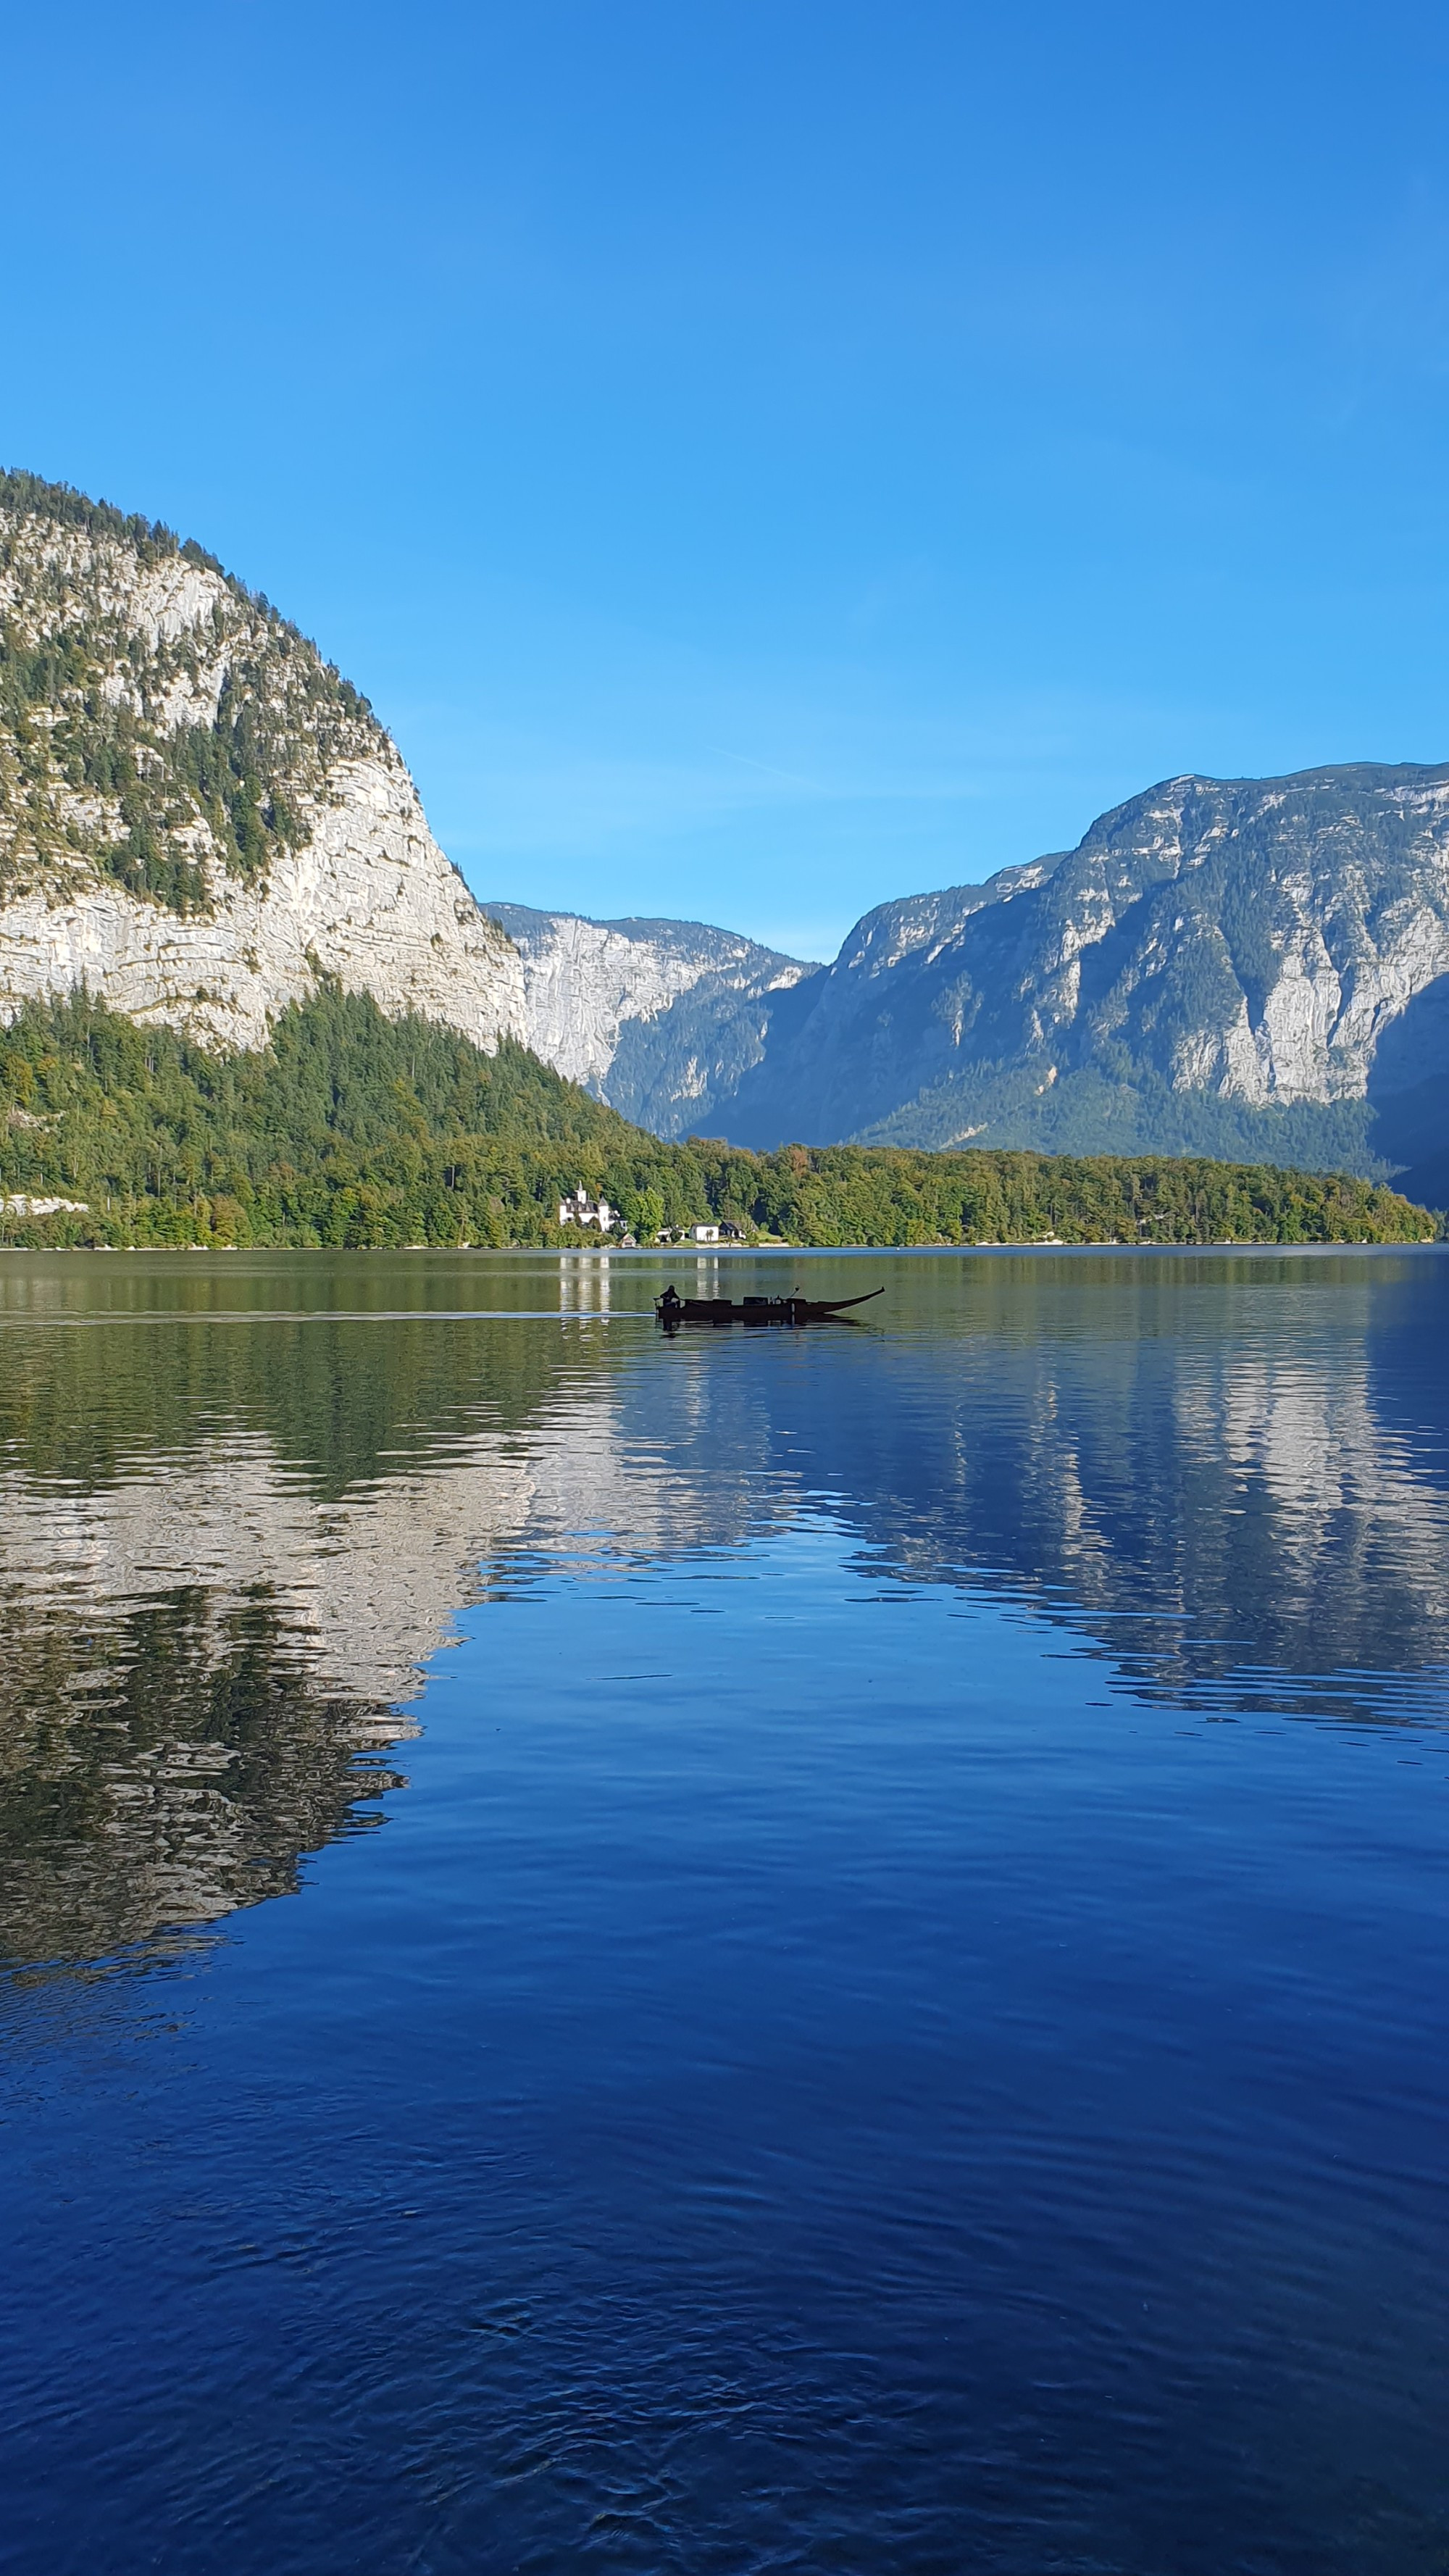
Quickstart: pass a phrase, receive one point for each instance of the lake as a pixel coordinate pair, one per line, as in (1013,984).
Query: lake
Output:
(794,1950)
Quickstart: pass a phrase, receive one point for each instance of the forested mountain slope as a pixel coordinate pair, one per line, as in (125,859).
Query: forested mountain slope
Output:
(353,1129)
(200,821)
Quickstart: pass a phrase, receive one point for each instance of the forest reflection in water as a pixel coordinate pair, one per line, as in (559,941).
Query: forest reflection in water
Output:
(241,1511)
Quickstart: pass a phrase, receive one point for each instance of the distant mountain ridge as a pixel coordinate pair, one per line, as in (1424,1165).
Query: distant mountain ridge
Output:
(1249,968)
(660,1018)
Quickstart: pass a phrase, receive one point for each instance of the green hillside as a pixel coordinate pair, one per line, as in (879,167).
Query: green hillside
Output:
(350,1129)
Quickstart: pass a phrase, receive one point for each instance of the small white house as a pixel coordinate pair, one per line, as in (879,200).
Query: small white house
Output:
(704,1234)
(580,1209)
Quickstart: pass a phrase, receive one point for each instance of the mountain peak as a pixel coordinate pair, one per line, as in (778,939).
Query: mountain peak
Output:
(200,819)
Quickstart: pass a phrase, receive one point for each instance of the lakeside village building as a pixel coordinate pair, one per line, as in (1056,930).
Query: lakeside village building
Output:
(580,1209)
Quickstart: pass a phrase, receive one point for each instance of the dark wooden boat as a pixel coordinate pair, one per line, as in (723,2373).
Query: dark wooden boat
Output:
(673,1310)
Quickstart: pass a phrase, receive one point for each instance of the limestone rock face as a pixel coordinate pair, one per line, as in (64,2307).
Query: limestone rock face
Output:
(659,1018)
(369,899)
(198,819)
(1215,956)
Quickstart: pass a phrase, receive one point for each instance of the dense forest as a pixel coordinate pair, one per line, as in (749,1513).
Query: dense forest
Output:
(353,1130)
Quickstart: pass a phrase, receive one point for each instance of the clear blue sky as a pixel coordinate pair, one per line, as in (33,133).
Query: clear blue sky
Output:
(762,458)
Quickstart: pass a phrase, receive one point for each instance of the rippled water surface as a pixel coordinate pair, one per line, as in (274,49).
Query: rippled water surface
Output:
(789,1950)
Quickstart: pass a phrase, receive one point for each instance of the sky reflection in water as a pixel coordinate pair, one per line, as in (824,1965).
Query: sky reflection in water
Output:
(866,1987)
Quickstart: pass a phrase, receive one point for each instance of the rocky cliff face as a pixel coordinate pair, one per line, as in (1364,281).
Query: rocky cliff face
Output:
(1250,967)
(199,820)
(659,1018)
(1224,966)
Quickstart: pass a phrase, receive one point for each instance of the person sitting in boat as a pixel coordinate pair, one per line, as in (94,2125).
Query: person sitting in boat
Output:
(671,1304)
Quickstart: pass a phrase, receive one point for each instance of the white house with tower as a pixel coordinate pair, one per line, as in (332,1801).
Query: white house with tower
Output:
(580,1209)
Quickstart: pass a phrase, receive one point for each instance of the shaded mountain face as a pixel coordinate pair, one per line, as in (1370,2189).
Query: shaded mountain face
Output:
(199,819)
(659,1018)
(1252,967)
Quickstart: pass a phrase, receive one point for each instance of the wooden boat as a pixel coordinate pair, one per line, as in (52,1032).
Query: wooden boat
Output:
(673,1310)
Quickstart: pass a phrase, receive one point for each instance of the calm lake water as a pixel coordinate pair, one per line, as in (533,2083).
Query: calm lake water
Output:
(766,1951)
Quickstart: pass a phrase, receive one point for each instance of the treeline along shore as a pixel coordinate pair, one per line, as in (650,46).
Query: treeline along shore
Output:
(356,1131)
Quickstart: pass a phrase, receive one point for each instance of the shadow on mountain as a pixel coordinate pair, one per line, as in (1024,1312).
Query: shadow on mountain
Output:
(1408,1092)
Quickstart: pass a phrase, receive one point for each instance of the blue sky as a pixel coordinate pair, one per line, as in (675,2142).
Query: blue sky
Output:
(761,459)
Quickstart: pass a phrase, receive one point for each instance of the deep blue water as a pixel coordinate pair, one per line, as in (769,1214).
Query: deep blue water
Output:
(779,1951)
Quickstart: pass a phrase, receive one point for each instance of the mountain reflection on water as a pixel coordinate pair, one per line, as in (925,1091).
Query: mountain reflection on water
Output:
(897,2021)
(240,1512)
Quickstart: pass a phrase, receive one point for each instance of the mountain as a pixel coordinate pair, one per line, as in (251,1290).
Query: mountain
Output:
(660,1018)
(1249,967)
(200,821)
(206,835)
